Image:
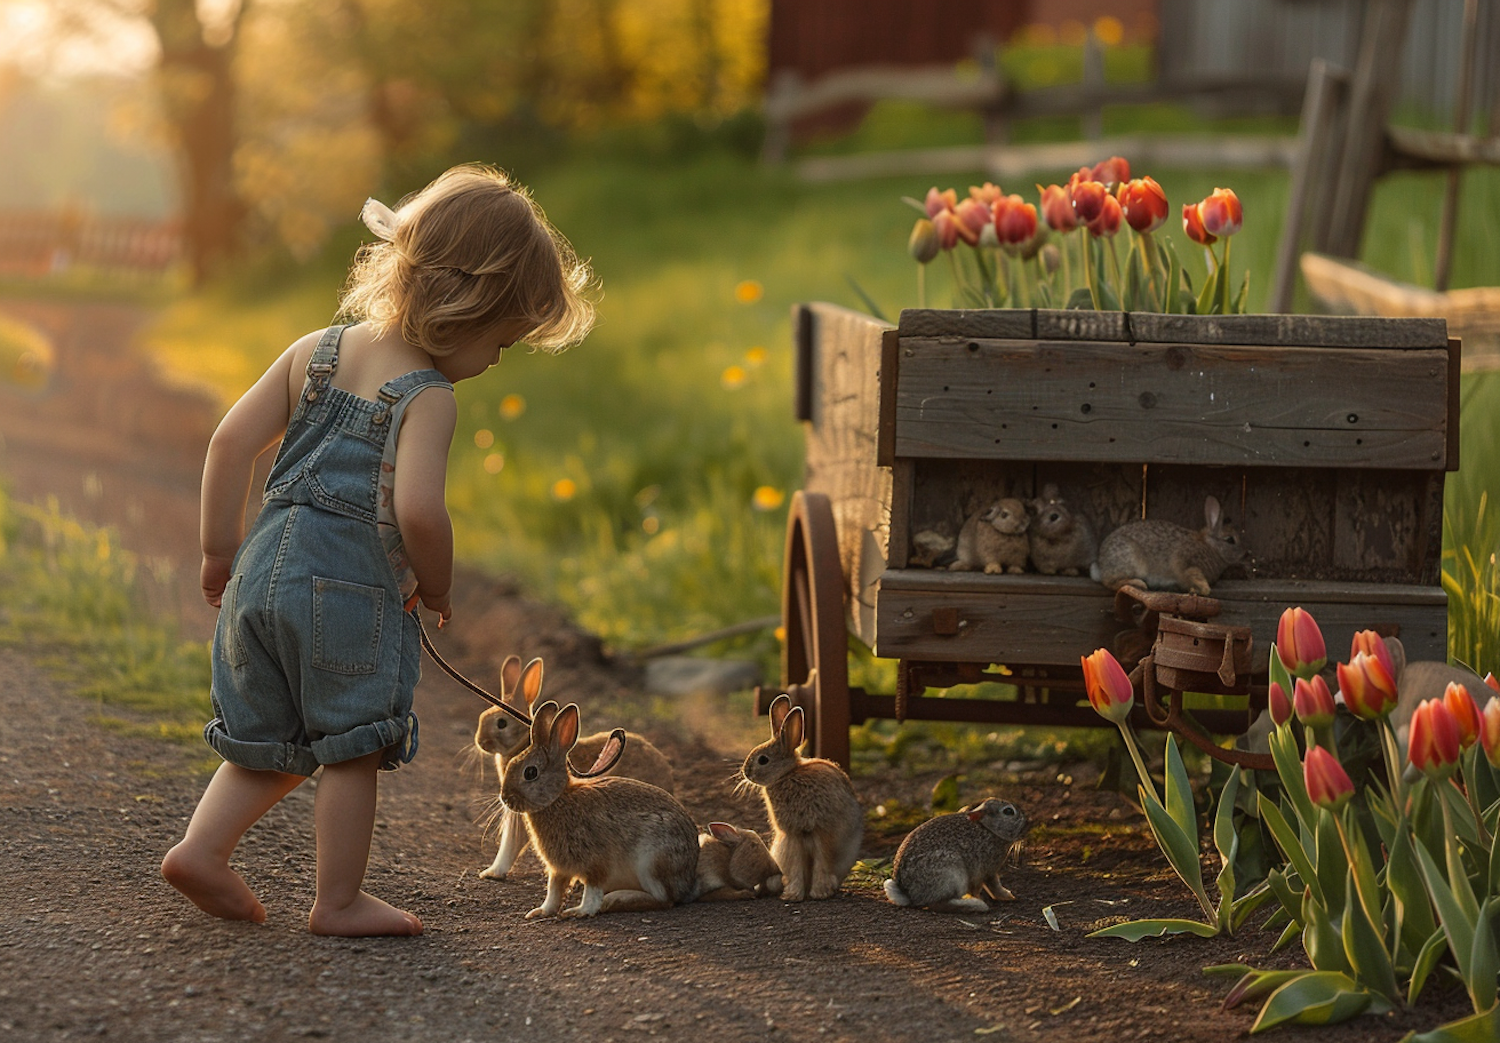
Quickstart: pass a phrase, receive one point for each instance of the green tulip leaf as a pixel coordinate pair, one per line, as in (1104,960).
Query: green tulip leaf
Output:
(1314,998)
(1331,860)
(1478,1028)
(1291,901)
(1484,961)
(1135,930)
(1289,770)
(1179,791)
(1427,958)
(1253,984)
(1403,879)
(1288,936)
(1458,926)
(1290,846)
(1321,939)
(1081,299)
(1239,301)
(1365,948)
(1181,850)
(1134,280)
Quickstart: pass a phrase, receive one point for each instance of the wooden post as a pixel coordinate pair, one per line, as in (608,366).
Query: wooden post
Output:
(1443,263)
(1312,174)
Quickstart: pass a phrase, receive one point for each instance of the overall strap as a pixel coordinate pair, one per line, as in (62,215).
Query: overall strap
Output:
(396,395)
(324,361)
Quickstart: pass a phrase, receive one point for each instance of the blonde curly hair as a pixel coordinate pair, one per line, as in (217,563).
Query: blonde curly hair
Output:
(469,251)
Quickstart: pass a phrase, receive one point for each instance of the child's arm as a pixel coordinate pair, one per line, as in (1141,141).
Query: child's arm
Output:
(252,425)
(421,503)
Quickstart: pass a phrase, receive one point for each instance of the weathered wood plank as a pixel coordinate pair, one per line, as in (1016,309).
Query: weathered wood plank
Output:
(1153,328)
(1222,405)
(1047,620)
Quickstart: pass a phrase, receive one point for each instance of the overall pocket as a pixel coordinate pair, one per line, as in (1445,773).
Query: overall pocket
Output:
(346,626)
(231,646)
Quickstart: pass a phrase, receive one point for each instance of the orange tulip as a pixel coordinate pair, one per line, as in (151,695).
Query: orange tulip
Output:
(1192,224)
(1367,686)
(1109,688)
(1088,200)
(1489,730)
(986,193)
(1299,643)
(1113,171)
(1372,643)
(1328,784)
(1279,705)
(1433,745)
(1313,702)
(1109,219)
(1221,213)
(1015,221)
(1057,208)
(937,202)
(1143,203)
(1465,711)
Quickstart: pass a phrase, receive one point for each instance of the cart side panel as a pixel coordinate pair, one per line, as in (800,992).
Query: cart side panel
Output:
(840,357)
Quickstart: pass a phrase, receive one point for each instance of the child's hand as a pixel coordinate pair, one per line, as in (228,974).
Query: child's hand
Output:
(214,577)
(442,605)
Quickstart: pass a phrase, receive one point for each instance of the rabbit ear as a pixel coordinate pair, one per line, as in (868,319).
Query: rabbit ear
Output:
(1211,513)
(541,723)
(725,832)
(565,728)
(780,707)
(791,730)
(531,681)
(609,755)
(510,675)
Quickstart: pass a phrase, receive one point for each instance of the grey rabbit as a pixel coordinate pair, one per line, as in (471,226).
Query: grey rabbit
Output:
(1062,540)
(1158,555)
(950,862)
(994,539)
(500,734)
(734,863)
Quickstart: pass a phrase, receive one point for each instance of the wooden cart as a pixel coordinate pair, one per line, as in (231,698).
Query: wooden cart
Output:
(1326,439)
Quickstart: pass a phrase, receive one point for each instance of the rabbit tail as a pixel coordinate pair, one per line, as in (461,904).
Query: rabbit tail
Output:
(895,894)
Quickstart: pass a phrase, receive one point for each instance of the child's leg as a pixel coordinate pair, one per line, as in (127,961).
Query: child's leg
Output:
(344,815)
(198,866)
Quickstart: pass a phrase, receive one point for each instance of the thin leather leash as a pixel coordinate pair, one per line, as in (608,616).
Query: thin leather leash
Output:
(608,757)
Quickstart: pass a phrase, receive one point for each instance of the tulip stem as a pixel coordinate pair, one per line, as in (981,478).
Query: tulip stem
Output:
(1469,760)
(1135,755)
(1392,763)
(921,286)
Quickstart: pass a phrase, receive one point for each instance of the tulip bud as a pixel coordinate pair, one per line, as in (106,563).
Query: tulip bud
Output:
(937,202)
(1144,204)
(1109,220)
(1279,705)
(1057,208)
(1367,687)
(1328,784)
(1221,213)
(1489,730)
(1088,200)
(1465,712)
(1433,744)
(1192,224)
(1299,643)
(1108,686)
(1051,257)
(1313,702)
(923,244)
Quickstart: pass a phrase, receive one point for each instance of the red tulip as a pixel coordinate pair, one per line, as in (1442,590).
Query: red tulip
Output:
(1192,224)
(1109,219)
(1015,221)
(1465,711)
(1299,643)
(1057,208)
(1113,171)
(937,202)
(972,217)
(1109,688)
(1313,702)
(1279,705)
(1144,204)
(1433,745)
(1328,784)
(1372,643)
(1088,199)
(1489,730)
(1221,213)
(1367,686)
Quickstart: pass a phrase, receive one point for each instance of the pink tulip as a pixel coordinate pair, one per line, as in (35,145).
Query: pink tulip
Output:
(937,202)
(1192,224)
(1328,784)
(1465,711)
(1433,745)
(1299,643)
(1109,220)
(1313,702)
(1221,213)
(1279,705)
(1109,688)
(1143,203)
(1367,686)
(1489,730)
(1057,208)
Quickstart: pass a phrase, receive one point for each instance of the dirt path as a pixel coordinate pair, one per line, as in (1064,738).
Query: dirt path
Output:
(95,945)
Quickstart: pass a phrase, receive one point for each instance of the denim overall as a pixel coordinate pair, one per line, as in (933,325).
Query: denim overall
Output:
(315,660)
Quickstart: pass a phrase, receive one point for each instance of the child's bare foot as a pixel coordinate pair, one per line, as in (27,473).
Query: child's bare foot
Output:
(365,916)
(212,886)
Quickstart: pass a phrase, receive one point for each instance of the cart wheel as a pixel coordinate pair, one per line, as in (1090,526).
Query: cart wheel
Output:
(815,651)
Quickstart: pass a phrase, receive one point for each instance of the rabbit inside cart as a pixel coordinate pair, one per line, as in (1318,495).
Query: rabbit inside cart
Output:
(1159,555)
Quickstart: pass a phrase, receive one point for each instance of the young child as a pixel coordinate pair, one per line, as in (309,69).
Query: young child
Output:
(315,659)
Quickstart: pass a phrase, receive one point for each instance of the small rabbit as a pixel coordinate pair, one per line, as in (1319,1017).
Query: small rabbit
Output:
(631,843)
(735,864)
(994,539)
(933,547)
(816,819)
(1158,555)
(500,734)
(1062,540)
(951,856)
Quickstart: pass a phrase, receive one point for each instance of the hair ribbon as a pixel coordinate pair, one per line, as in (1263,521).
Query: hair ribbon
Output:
(379,218)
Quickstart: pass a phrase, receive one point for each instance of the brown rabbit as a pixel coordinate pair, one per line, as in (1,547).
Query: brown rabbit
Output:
(816,818)
(631,843)
(994,539)
(500,734)
(1158,555)
(1062,540)
(952,856)
(735,864)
